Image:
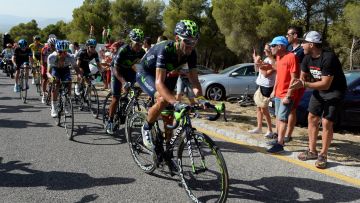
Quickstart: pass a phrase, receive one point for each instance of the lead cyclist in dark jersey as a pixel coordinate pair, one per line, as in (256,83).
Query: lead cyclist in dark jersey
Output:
(122,70)
(164,57)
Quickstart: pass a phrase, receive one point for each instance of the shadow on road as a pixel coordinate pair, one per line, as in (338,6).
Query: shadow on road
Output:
(290,189)
(17,174)
(19,109)
(7,123)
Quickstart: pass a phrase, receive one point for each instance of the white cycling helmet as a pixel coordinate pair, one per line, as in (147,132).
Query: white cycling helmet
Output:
(52,41)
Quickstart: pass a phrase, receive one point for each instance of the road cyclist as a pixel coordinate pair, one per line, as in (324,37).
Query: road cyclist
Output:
(22,57)
(36,48)
(122,72)
(45,52)
(58,70)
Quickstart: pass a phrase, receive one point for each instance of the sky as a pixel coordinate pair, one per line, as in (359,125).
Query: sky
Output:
(46,8)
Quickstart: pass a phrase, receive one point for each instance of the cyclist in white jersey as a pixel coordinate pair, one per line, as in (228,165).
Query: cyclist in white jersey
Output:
(58,69)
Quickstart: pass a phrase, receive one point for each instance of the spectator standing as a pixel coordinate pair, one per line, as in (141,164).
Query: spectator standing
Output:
(103,34)
(105,69)
(266,82)
(109,34)
(287,66)
(182,83)
(147,43)
(91,31)
(76,48)
(327,98)
(293,35)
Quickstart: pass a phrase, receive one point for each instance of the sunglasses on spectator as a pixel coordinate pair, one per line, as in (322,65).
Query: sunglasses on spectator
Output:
(287,34)
(274,45)
(189,41)
(138,43)
(62,52)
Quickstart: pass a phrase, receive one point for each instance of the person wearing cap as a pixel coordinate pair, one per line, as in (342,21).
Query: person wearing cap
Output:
(105,76)
(328,96)
(288,67)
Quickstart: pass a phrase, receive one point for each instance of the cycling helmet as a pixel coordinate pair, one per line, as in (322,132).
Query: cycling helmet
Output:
(137,35)
(22,43)
(62,46)
(37,38)
(7,34)
(187,28)
(91,42)
(52,41)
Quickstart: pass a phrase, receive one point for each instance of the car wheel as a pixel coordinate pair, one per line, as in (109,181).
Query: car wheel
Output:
(216,92)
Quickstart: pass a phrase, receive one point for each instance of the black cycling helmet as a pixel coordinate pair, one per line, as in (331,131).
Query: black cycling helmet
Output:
(22,43)
(90,42)
(187,28)
(37,38)
(137,35)
(7,34)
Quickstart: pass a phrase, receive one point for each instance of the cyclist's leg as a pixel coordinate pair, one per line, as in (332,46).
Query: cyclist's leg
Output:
(168,112)
(17,73)
(44,76)
(116,92)
(66,77)
(77,85)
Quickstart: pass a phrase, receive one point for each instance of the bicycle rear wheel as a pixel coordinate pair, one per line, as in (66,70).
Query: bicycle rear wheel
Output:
(68,117)
(48,93)
(59,108)
(23,90)
(105,109)
(93,101)
(207,180)
(142,155)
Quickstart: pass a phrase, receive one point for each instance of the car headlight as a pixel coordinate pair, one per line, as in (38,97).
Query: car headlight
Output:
(201,81)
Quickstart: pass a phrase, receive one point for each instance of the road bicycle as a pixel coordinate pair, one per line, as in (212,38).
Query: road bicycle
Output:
(202,168)
(64,101)
(47,92)
(38,78)
(22,84)
(88,96)
(124,109)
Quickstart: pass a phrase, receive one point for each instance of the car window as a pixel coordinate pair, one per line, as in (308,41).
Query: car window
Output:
(246,71)
(351,77)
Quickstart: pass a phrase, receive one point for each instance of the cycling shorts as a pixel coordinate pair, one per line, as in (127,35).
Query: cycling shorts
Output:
(128,74)
(86,69)
(62,73)
(18,65)
(37,59)
(147,82)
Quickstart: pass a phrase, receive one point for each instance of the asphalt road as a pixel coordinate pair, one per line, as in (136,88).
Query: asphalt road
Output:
(39,164)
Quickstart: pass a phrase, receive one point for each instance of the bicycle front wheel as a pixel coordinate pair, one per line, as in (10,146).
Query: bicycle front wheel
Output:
(68,117)
(93,101)
(142,155)
(207,179)
(23,90)
(140,106)
(105,109)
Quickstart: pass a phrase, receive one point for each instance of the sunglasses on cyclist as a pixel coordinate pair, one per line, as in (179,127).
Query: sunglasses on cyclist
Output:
(37,41)
(62,52)
(138,43)
(92,47)
(189,41)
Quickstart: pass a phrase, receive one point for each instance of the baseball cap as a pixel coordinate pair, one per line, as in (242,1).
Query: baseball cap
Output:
(280,40)
(312,36)
(108,45)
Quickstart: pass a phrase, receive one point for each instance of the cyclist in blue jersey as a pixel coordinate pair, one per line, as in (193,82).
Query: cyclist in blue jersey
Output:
(122,71)
(169,56)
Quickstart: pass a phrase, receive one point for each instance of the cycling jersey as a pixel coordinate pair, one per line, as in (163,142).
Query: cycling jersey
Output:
(164,55)
(85,59)
(63,73)
(124,61)
(22,56)
(126,57)
(45,52)
(36,52)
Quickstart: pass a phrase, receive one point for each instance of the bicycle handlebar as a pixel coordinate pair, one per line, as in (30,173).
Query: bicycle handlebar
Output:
(178,115)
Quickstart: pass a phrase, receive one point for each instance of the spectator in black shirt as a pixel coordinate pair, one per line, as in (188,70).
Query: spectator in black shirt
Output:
(327,98)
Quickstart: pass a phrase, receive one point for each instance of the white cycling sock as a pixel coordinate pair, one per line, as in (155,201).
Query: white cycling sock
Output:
(53,104)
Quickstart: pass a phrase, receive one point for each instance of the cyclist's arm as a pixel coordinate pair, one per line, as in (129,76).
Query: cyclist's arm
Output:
(98,65)
(49,72)
(194,81)
(13,59)
(118,74)
(161,87)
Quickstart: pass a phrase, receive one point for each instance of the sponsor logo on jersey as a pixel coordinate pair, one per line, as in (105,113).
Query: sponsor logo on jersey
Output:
(150,57)
(161,56)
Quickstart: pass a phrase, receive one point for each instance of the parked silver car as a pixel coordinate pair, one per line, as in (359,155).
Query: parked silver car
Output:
(231,82)
(203,70)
